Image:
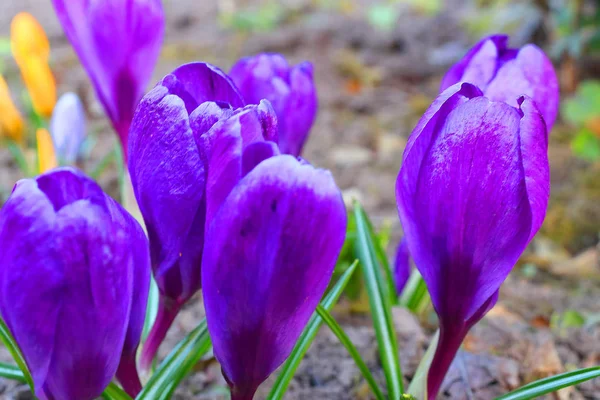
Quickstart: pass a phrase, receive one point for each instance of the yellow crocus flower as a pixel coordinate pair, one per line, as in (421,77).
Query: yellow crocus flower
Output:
(28,39)
(31,49)
(11,122)
(45,151)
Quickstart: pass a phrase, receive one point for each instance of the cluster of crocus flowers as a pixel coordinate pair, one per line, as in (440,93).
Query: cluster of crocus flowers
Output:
(74,280)
(118,43)
(31,51)
(174,166)
(474,184)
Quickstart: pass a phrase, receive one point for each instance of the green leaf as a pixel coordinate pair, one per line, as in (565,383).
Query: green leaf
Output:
(113,392)
(418,385)
(345,340)
(12,372)
(383,16)
(4,46)
(552,384)
(14,351)
(380,305)
(151,309)
(586,145)
(17,154)
(308,335)
(415,296)
(584,106)
(177,365)
(388,286)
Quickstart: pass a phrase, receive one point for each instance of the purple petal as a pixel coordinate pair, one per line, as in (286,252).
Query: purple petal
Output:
(168,179)
(479,65)
(197,83)
(269,256)
(291,91)
(65,284)
(223,146)
(118,43)
(67,127)
(401,266)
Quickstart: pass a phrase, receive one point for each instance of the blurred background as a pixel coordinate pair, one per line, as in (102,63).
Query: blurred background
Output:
(378,65)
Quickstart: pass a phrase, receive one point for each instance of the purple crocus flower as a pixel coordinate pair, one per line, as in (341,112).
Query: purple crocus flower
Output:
(74,277)
(275,227)
(472,192)
(504,74)
(118,43)
(168,177)
(401,266)
(67,127)
(290,90)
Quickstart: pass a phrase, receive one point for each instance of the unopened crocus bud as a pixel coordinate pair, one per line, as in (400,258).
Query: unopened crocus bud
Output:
(45,151)
(505,74)
(74,276)
(11,122)
(67,127)
(31,50)
(118,43)
(274,232)
(168,177)
(290,90)
(472,192)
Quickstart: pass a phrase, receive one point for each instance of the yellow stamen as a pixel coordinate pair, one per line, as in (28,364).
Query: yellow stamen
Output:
(11,122)
(45,148)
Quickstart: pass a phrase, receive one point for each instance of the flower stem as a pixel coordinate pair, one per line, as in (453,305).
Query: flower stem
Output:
(128,376)
(167,311)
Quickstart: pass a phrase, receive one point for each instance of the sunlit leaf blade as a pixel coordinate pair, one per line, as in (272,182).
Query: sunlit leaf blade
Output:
(345,340)
(14,351)
(113,392)
(151,309)
(552,384)
(387,284)
(418,384)
(12,372)
(380,305)
(415,296)
(177,365)
(306,338)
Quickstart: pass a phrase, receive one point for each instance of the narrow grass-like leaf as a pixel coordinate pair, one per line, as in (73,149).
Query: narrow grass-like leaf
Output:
(308,335)
(18,156)
(177,365)
(387,284)
(380,305)
(113,392)
(552,384)
(14,351)
(418,385)
(12,372)
(345,340)
(415,296)
(151,308)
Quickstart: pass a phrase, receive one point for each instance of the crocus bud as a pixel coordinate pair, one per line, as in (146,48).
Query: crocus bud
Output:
(45,151)
(74,275)
(271,244)
(472,192)
(168,178)
(290,90)
(11,121)
(118,43)
(401,266)
(67,127)
(31,50)
(505,74)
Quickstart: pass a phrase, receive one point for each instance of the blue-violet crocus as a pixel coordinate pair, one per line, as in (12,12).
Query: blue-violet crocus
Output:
(118,43)
(74,278)
(169,180)
(472,192)
(504,74)
(67,127)
(275,227)
(290,90)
